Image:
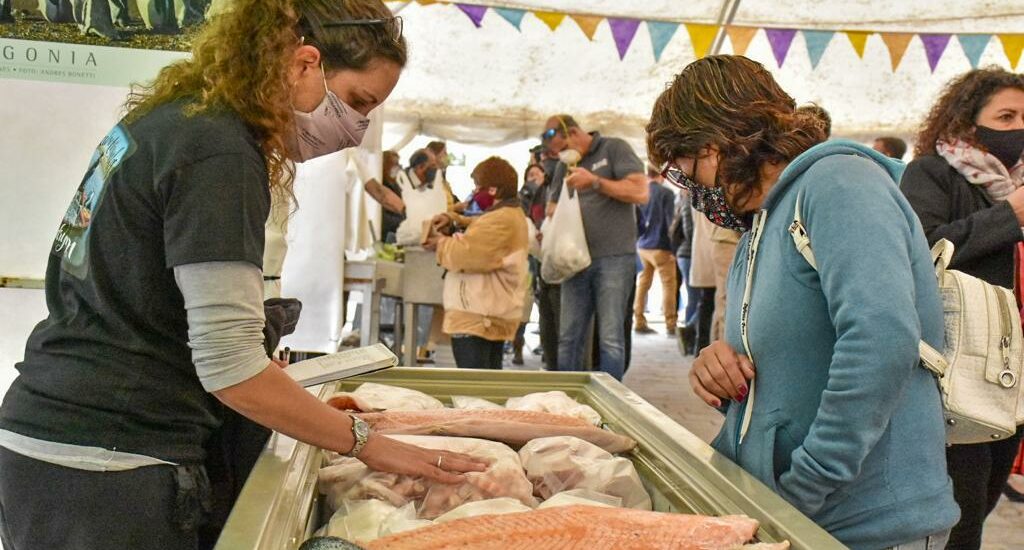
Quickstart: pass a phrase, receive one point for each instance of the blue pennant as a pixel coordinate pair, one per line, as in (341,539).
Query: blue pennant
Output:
(817,43)
(511,15)
(661,34)
(974,45)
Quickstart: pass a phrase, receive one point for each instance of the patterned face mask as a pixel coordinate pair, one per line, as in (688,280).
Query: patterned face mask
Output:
(709,201)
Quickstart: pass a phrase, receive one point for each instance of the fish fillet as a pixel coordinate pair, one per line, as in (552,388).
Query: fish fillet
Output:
(515,428)
(578,527)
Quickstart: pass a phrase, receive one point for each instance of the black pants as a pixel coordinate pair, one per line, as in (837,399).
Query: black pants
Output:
(705,313)
(474,352)
(549,305)
(45,506)
(979,472)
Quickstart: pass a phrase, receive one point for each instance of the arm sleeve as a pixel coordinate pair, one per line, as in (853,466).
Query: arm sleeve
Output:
(224,304)
(981,234)
(215,211)
(480,249)
(624,161)
(860,236)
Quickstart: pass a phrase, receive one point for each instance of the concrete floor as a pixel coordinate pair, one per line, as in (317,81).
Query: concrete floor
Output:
(659,374)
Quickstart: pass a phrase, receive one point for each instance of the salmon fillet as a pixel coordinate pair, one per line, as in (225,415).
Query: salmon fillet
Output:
(578,527)
(515,428)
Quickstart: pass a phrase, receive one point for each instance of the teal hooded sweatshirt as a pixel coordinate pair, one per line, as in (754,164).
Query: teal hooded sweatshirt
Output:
(846,425)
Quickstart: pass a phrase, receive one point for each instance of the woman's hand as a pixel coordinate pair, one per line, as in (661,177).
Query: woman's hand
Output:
(384,454)
(720,373)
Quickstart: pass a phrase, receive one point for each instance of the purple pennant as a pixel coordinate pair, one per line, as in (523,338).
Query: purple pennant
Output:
(475,13)
(623,31)
(780,40)
(934,46)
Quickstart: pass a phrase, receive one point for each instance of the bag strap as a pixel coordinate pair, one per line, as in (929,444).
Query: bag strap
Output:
(800,237)
(942,255)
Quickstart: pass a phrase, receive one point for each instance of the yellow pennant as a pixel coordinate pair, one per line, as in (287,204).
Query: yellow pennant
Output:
(858,39)
(1013,44)
(702,36)
(897,43)
(588,24)
(550,18)
(740,38)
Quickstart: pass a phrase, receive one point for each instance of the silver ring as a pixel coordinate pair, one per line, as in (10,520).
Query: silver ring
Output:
(439,461)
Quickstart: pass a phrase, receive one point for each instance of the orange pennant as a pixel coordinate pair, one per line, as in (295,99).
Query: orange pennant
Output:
(858,39)
(740,38)
(897,43)
(588,24)
(1013,44)
(550,18)
(702,36)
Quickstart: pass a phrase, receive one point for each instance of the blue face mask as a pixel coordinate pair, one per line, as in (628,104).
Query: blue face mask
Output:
(430,175)
(709,201)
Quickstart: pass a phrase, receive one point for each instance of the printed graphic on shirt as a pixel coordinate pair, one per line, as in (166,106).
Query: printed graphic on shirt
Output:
(72,240)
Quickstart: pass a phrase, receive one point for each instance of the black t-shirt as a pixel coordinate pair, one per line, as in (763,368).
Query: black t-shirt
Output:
(391,220)
(110,366)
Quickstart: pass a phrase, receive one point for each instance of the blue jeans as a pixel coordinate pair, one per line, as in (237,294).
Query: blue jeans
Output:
(604,288)
(933,542)
(692,294)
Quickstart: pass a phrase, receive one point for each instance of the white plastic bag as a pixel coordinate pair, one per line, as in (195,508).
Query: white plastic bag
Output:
(472,403)
(359,520)
(371,397)
(554,402)
(584,497)
(556,464)
(488,507)
(564,251)
(401,520)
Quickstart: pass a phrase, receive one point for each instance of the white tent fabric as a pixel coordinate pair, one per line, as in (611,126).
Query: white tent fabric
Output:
(497,84)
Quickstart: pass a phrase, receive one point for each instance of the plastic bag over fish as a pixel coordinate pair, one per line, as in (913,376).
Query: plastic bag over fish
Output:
(472,403)
(556,464)
(370,397)
(554,402)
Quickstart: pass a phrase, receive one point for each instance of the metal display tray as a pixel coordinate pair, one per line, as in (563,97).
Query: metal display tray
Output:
(279,506)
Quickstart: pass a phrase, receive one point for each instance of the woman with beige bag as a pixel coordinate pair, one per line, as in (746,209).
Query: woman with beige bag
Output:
(966,186)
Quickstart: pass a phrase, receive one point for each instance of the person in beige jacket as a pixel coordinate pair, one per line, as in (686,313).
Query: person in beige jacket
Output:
(487,264)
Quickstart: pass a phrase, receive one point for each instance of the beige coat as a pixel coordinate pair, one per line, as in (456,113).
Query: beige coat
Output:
(487,277)
(702,268)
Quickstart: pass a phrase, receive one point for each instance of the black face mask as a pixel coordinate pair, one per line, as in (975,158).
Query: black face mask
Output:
(1005,145)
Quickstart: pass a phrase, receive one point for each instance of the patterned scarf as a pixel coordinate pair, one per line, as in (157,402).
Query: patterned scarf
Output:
(981,168)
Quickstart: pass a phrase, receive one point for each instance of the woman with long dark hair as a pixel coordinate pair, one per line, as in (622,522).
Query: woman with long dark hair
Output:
(967,185)
(818,373)
(154,283)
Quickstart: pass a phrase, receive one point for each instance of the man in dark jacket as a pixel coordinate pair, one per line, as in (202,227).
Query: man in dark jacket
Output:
(656,254)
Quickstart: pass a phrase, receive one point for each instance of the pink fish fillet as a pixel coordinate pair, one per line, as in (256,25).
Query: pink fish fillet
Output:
(578,527)
(515,428)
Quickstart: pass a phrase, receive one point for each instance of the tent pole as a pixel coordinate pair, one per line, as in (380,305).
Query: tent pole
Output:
(725,17)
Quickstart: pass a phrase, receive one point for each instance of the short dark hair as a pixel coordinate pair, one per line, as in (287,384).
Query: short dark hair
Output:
(568,121)
(894,146)
(498,173)
(437,146)
(419,157)
(819,113)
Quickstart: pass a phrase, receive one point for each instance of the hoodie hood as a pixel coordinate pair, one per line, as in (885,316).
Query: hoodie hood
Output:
(800,164)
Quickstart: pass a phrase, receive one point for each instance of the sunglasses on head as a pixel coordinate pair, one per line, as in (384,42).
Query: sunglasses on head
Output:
(549,134)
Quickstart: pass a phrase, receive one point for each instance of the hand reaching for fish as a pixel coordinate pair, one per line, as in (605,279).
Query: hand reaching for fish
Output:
(384,454)
(721,373)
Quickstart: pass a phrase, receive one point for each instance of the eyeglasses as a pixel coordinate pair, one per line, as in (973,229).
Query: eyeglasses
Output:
(393,26)
(677,177)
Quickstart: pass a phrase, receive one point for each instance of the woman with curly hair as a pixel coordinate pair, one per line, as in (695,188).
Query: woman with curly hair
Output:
(155,305)
(967,185)
(818,374)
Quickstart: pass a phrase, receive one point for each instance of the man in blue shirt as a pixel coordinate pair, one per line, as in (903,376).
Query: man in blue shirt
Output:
(655,250)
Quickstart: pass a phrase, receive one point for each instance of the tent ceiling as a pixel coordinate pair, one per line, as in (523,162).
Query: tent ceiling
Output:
(497,84)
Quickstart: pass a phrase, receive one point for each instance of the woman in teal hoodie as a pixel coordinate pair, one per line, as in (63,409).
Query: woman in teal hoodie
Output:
(818,375)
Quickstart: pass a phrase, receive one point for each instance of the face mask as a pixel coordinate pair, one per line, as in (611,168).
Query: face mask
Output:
(711,202)
(570,157)
(1005,145)
(393,174)
(430,175)
(331,127)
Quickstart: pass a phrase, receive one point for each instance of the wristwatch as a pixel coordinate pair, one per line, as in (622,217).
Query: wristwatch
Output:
(596,186)
(360,434)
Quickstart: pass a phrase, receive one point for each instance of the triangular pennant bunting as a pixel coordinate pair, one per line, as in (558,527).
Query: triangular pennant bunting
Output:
(934,46)
(588,24)
(661,34)
(623,31)
(897,43)
(550,18)
(701,36)
(974,45)
(780,40)
(475,13)
(817,42)
(511,15)
(858,39)
(740,38)
(1013,44)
